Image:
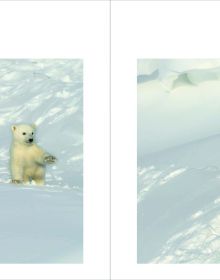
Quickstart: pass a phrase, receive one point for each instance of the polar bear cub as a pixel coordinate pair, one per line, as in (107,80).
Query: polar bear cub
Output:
(28,161)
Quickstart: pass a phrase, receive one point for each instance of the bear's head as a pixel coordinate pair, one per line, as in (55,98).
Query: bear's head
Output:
(24,133)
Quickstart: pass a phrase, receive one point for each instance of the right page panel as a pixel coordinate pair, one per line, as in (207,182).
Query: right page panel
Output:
(178,161)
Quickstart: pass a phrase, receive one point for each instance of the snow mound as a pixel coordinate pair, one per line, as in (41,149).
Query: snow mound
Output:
(178,161)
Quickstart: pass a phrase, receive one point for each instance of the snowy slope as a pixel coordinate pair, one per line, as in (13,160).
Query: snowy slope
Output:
(179,173)
(43,225)
(40,225)
(179,204)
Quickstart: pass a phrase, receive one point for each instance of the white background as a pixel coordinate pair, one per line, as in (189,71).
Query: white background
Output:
(80,30)
(71,30)
(142,29)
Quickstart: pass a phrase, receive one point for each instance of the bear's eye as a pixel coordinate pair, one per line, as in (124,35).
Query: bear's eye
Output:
(32,133)
(24,133)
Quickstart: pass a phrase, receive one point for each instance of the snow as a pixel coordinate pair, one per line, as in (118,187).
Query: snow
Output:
(179,170)
(43,224)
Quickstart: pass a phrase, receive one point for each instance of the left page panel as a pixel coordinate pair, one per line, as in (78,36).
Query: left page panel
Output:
(54,122)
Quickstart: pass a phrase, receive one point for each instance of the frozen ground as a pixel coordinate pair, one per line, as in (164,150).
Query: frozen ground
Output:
(43,225)
(179,169)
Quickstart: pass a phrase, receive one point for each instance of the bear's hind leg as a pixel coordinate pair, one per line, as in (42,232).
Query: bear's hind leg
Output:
(39,181)
(26,179)
(39,176)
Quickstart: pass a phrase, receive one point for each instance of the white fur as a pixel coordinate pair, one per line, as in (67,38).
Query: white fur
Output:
(28,160)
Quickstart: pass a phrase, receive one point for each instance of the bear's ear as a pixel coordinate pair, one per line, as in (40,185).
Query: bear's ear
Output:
(33,126)
(13,127)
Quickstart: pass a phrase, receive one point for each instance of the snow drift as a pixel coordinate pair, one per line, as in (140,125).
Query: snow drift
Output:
(179,169)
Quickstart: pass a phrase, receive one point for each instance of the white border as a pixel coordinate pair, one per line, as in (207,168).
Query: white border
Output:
(149,29)
(71,30)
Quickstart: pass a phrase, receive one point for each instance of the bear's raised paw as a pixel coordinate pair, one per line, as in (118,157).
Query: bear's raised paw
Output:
(50,159)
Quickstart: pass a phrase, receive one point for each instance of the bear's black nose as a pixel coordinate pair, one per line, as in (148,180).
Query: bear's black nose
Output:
(30,140)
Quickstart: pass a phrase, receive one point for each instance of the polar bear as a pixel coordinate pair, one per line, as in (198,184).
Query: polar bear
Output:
(28,161)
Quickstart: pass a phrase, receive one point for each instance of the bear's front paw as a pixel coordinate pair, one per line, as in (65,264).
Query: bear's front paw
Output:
(50,159)
(14,181)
